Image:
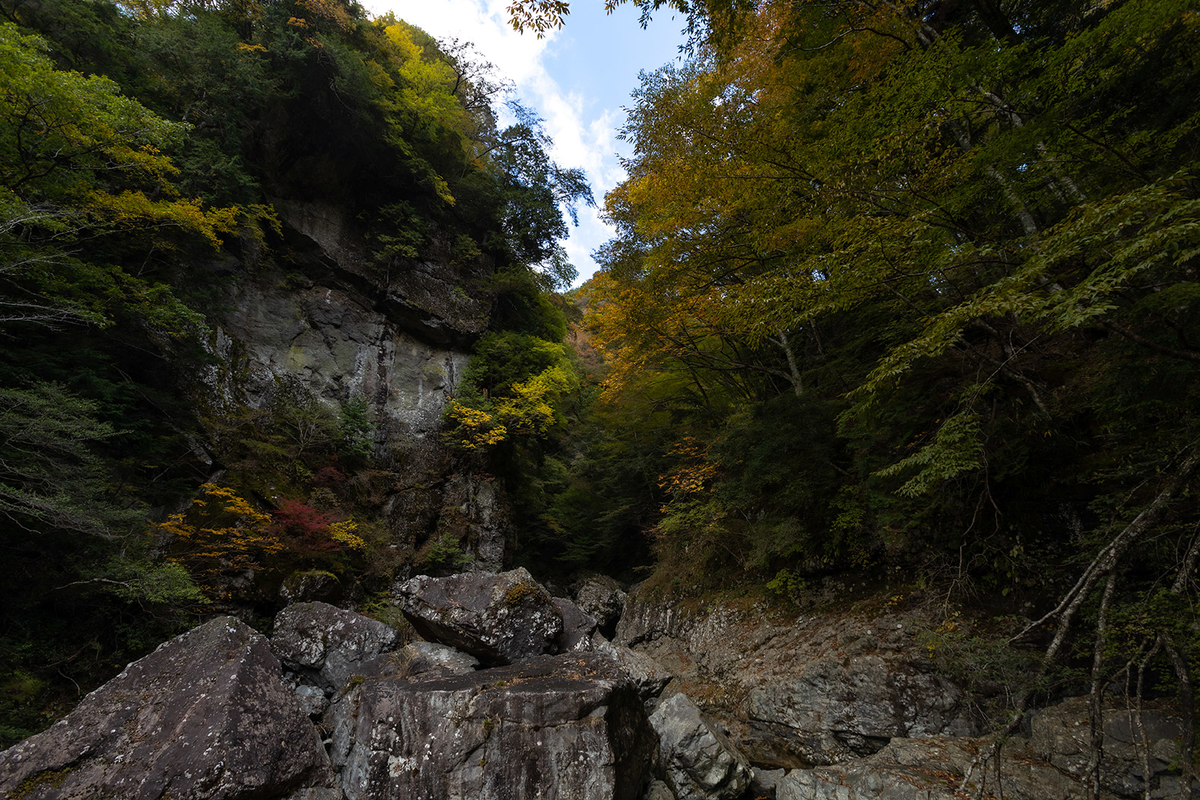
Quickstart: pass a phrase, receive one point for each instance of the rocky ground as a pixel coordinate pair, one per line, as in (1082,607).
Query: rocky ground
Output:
(513,693)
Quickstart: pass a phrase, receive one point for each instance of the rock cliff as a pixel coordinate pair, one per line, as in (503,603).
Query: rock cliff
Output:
(316,317)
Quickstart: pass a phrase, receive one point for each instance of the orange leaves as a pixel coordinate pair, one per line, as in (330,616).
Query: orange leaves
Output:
(223,536)
(331,12)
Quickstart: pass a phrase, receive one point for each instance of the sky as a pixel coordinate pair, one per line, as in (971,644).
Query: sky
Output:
(577,80)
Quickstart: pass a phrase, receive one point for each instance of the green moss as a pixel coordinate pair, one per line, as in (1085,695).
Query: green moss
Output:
(519,592)
(49,779)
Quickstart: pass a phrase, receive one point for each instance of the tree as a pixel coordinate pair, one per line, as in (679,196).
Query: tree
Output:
(78,159)
(49,476)
(541,16)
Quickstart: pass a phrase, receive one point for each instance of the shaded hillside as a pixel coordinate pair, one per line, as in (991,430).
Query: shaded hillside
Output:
(249,250)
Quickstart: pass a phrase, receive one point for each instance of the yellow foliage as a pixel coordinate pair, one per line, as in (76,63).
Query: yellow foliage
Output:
(530,409)
(472,428)
(695,472)
(222,533)
(344,533)
(136,210)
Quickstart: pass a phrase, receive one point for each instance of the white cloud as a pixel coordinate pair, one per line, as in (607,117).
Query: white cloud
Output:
(583,136)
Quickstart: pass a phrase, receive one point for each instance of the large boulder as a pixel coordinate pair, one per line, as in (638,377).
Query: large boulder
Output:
(306,586)
(1133,740)
(498,618)
(203,717)
(327,645)
(836,709)
(578,626)
(554,727)
(798,690)
(601,598)
(699,760)
(937,768)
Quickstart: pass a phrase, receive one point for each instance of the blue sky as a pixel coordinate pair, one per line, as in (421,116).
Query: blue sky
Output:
(577,79)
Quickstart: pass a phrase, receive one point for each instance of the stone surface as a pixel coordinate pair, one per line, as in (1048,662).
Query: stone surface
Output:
(1061,734)
(318,322)
(647,675)
(601,597)
(421,661)
(837,709)
(659,791)
(203,717)
(578,626)
(765,782)
(312,699)
(795,691)
(498,618)
(699,760)
(933,769)
(326,644)
(306,586)
(567,727)
(474,512)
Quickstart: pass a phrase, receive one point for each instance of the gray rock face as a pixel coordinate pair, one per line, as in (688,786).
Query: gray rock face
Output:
(336,344)
(498,618)
(312,700)
(330,327)
(1050,765)
(420,296)
(837,709)
(311,585)
(474,512)
(798,691)
(600,597)
(566,727)
(203,717)
(765,782)
(578,626)
(932,769)
(659,791)
(700,762)
(1062,736)
(647,675)
(327,644)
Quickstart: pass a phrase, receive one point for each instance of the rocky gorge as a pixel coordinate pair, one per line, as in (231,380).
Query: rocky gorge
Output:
(496,689)
(321,322)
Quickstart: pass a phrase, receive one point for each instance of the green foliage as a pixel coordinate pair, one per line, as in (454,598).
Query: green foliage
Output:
(50,475)
(514,387)
(787,584)
(915,293)
(955,448)
(357,431)
(444,556)
(982,660)
(137,141)
(78,161)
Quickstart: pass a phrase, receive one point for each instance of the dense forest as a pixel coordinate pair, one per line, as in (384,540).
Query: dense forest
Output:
(910,290)
(146,150)
(900,290)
